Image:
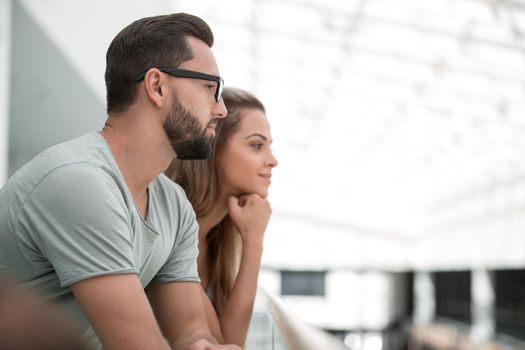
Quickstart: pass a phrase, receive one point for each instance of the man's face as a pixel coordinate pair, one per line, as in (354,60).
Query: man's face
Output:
(187,137)
(191,120)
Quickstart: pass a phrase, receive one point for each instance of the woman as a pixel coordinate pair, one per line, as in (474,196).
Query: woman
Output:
(228,193)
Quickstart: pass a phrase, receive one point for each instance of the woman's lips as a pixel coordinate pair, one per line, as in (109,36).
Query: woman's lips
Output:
(267,177)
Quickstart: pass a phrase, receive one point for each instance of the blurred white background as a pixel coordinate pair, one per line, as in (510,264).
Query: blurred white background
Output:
(394,121)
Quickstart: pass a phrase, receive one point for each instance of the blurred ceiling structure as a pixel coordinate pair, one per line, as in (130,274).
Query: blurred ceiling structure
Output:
(394,121)
(397,102)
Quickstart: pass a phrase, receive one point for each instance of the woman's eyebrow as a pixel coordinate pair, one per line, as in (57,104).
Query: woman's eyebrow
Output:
(259,135)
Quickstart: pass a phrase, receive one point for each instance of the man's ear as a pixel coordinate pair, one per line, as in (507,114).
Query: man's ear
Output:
(155,86)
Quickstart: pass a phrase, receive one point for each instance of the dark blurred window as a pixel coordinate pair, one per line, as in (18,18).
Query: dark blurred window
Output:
(510,302)
(453,296)
(409,293)
(303,282)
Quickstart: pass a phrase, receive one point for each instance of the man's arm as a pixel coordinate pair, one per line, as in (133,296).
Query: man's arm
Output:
(119,311)
(180,313)
(211,316)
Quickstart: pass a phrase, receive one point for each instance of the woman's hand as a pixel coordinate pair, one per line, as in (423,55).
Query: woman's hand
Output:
(250,214)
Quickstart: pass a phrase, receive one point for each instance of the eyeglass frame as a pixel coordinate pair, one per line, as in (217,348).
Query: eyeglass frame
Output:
(191,74)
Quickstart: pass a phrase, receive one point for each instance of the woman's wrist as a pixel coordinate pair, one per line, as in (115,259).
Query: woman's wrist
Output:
(253,245)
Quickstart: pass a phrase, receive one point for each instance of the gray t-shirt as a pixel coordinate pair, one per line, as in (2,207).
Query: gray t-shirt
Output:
(67,215)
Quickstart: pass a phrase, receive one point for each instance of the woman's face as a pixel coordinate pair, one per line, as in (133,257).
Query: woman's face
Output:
(246,163)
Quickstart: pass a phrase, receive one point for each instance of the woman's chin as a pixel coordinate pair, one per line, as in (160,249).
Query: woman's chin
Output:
(262,193)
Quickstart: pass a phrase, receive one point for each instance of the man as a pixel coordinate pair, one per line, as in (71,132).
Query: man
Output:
(95,225)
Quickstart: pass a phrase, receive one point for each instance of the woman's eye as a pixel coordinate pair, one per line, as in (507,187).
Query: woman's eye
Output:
(256,145)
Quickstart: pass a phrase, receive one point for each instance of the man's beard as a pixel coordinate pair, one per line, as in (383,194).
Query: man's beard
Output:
(187,138)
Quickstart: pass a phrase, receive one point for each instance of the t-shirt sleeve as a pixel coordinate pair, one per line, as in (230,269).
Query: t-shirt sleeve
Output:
(181,265)
(78,220)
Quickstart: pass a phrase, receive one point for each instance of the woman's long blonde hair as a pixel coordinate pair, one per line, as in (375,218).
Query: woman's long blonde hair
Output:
(199,178)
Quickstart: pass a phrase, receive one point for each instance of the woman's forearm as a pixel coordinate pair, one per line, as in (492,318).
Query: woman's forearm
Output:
(236,315)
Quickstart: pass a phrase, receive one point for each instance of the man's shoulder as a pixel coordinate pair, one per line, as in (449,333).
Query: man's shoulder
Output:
(90,147)
(169,188)
(73,164)
(86,148)
(171,194)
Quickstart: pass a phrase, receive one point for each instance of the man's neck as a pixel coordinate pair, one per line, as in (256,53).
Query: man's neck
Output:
(139,149)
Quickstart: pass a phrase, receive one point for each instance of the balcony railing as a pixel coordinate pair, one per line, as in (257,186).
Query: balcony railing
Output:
(275,327)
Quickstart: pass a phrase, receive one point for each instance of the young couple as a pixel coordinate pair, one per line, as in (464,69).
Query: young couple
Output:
(98,229)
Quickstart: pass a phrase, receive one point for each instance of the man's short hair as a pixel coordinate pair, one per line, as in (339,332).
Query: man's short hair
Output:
(149,42)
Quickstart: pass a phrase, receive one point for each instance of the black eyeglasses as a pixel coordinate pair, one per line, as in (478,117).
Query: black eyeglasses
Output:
(184,73)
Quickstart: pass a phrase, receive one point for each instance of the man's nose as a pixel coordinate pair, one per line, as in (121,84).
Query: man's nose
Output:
(219,109)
